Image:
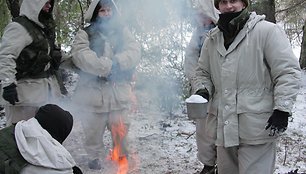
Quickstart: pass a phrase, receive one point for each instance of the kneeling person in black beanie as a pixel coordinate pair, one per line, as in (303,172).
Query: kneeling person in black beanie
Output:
(35,146)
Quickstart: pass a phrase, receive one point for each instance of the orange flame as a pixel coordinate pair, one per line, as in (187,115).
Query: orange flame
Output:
(119,132)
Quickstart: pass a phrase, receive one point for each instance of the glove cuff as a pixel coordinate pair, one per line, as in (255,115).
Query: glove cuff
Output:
(280,113)
(12,85)
(203,92)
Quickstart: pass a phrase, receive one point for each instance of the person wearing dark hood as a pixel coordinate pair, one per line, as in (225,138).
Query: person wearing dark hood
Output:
(106,54)
(29,60)
(251,75)
(35,146)
(206,17)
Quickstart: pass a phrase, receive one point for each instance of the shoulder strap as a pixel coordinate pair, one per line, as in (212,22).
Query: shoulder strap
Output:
(11,161)
(89,30)
(31,27)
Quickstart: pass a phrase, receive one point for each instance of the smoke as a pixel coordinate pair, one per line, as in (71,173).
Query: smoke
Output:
(149,16)
(163,29)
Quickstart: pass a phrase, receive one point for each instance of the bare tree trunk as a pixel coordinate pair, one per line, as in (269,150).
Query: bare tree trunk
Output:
(266,7)
(303,48)
(14,7)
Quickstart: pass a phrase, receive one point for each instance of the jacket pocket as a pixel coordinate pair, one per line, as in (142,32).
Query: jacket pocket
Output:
(254,104)
(252,127)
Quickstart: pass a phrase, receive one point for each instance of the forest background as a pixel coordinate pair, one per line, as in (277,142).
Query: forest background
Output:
(164,28)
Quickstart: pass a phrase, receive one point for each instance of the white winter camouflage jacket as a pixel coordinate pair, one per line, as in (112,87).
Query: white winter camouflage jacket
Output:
(93,93)
(31,92)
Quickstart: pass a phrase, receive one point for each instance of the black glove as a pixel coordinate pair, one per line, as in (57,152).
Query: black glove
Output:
(56,57)
(10,94)
(278,122)
(204,93)
(77,170)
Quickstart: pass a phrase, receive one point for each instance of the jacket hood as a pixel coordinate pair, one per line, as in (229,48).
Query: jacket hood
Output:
(38,147)
(32,8)
(207,7)
(254,19)
(91,9)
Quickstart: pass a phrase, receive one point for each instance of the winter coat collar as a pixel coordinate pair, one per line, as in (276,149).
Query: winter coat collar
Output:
(216,35)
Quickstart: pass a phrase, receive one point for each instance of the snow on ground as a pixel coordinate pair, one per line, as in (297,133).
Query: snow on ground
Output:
(163,144)
(159,144)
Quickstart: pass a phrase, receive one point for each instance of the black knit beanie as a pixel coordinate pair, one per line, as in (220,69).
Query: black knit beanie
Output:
(246,2)
(55,120)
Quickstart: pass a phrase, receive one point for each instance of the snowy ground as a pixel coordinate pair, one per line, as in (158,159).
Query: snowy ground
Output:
(161,144)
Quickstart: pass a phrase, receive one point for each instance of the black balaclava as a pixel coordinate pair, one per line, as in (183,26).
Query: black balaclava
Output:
(55,120)
(231,24)
(46,18)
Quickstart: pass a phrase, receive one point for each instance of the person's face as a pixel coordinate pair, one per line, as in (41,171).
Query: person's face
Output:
(47,6)
(105,12)
(231,6)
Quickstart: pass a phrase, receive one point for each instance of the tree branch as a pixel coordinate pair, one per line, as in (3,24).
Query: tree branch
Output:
(14,7)
(291,7)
